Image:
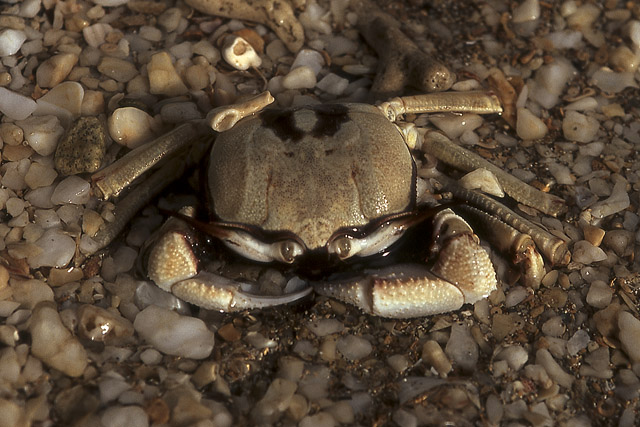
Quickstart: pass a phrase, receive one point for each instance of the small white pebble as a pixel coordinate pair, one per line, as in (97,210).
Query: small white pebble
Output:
(42,133)
(528,126)
(11,41)
(579,127)
(131,127)
(121,416)
(599,295)
(57,250)
(299,78)
(353,347)
(629,335)
(173,334)
(333,84)
(309,58)
(72,189)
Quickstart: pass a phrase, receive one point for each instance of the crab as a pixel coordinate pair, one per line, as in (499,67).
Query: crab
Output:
(322,190)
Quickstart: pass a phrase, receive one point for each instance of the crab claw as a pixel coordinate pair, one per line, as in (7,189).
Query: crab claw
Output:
(173,266)
(462,274)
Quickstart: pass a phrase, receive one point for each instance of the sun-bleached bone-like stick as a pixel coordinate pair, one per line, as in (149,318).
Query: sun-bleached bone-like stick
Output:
(275,14)
(401,62)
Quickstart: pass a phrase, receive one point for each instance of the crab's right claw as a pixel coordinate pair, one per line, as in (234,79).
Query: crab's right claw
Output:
(173,266)
(462,274)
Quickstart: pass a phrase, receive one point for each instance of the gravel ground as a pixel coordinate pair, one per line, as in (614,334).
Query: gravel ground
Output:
(85,340)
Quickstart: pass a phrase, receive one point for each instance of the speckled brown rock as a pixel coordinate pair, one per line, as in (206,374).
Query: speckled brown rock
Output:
(82,148)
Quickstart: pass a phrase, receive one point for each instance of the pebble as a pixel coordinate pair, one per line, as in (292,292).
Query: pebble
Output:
(96,34)
(55,69)
(125,416)
(98,324)
(14,105)
(585,253)
(577,342)
(529,126)
(57,250)
(324,327)
(629,335)
(579,127)
(163,77)
(528,10)
(353,347)
(131,127)
(274,402)
(11,41)
(462,348)
(239,53)
(82,148)
(616,202)
(515,296)
(483,180)
(515,356)
(454,125)
(550,81)
(301,77)
(599,295)
(593,234)
(433,355)
(555,371)
(118,69)
(53,344)
(42,133)
(620,241)
(174,334)
(305,58)
(611,82)
(67,95)
(72,189)
(30,292)
(333,84)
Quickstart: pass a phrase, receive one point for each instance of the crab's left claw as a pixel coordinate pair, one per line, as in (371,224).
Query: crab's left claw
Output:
(174,267)
(462,274)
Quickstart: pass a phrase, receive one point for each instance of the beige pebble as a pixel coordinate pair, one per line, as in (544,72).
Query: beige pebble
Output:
(39,175)
(206,373)
(623,59)
(61,276)
(163,77)
(55,69)
(593,234)
(30,292)
(131,127)
(91,222)
(433,355)
(98,324)
(275,401)
(528,126)
(53,344)
(11,134)
(197,77)
(117,69)
(92,103)
(67,95)
(239,53)
(4,277)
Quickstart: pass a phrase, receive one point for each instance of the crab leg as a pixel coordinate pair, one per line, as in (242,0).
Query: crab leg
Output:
(552,247)
(478,102)
(110,181)
(462,274)
(444,149)
(126,208)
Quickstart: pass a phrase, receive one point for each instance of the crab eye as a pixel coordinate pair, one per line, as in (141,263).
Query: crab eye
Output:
(288,250)
(344,246)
